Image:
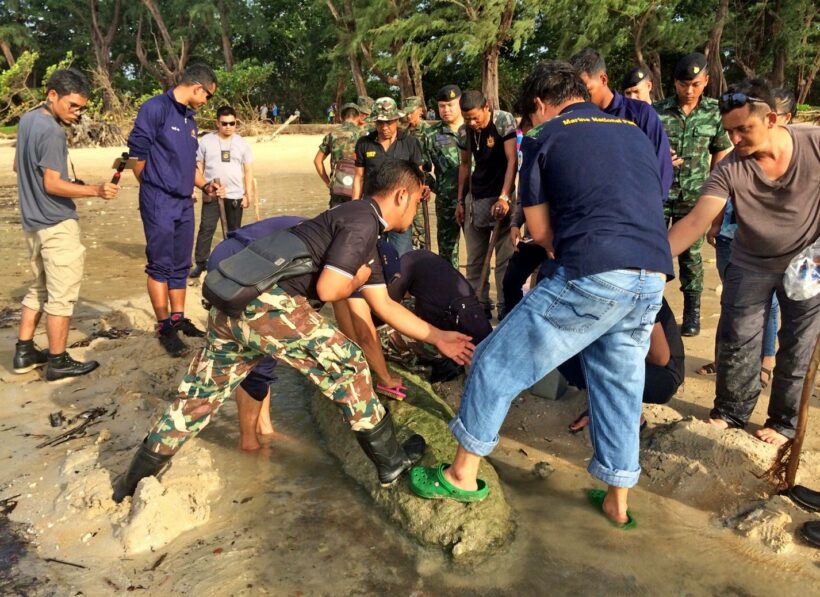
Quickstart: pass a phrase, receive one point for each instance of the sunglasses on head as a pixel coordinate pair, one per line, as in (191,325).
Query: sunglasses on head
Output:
(730,101)
(227,122)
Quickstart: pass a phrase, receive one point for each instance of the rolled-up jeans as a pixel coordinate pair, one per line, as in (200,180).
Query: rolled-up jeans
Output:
(607,318)
(744,307)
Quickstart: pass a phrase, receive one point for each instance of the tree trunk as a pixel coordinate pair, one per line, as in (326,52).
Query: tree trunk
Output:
(4,45)
(341,85)
(489,76)
(227,49)
(405,81)
(778,74)
(358,75)
(418,84)
(655,67)
(717,82)
(804,85)
(102,53)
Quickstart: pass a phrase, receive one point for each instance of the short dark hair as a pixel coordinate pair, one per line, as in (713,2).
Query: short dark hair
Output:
(225,111)
(758,89)
(588,61)
(349,113)
(472,99)
(66,81)
(392,174)
(786,102)
(553,82)
(198,74)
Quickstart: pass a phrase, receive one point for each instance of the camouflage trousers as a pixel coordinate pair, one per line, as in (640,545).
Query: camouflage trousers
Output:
(690,262)
(447,230)
(419,233)
(337,200)
(287,329)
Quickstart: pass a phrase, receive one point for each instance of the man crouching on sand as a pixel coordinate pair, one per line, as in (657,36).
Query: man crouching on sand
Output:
(281,323)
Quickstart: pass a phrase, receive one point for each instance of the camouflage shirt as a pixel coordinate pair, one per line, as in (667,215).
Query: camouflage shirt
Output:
(340,143)
(441,146)
(695,138)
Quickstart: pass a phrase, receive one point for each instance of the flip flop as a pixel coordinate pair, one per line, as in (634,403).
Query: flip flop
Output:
(578,420)
(596,498)
(708,369)
(768,372)
(398,392)
(431,484)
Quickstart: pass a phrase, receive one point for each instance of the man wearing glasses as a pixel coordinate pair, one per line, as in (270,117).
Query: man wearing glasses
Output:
(49,218)
(226,157)
(164,141)
(773,178)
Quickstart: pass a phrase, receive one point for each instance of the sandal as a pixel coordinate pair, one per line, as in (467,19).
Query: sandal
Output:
(596,498)
(573,427)
(431,484)
(764,383)
(708,369)
(398,392)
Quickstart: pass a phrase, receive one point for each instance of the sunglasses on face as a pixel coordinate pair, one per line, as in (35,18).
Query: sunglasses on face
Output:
(730,101)
(228,123)
(208,94)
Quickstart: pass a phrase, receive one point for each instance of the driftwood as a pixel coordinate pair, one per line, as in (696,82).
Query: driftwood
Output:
(93,133)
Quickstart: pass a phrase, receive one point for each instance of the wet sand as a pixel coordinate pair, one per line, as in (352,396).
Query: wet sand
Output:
(288,521)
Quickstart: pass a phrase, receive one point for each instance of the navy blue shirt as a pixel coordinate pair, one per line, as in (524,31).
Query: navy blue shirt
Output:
(240,238)
(599,176)
(647,119)
(164,135)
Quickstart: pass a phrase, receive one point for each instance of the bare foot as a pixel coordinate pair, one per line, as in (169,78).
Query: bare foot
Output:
(770,436)
(264,427)
(719,423)
(464,484)
(613,511)
(249,443)
(579,424)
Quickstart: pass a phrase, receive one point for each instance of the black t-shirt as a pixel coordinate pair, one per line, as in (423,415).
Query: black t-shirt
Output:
(489,157)
(370,154)
(430,279)
(342,239)
(670,328)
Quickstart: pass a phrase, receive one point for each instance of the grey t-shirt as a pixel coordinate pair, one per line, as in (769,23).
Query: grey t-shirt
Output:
(41,145)
(776,219)
(231,173)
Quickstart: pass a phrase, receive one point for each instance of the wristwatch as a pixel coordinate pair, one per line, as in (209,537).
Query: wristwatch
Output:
(504,198)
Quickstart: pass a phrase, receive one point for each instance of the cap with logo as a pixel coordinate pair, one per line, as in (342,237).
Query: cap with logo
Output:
(690,66)
(448,93)
(636,76)
(385,109)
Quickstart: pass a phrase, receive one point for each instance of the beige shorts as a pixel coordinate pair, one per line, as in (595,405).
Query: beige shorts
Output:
(57,257)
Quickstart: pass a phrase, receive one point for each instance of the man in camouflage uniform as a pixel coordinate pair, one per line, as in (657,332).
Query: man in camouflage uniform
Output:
(413,109)
(281,323)
(698,142)
(340,144)
(366,104)
(441,147)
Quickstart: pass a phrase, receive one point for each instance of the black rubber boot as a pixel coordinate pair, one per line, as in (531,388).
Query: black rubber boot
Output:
(382,447)
(145,464)
(691,314)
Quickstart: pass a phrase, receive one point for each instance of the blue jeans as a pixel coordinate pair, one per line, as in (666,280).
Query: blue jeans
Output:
(607,318)
(723,250)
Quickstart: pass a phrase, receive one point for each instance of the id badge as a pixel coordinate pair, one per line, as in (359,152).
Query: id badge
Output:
(226,155)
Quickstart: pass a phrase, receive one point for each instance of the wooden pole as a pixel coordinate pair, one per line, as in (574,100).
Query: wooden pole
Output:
(281,128)
(256,200)
(428,242)
(802,418)
(485,268)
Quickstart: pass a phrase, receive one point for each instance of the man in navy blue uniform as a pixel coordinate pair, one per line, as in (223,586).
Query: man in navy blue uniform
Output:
(593,198)
(164,141)
(591,68)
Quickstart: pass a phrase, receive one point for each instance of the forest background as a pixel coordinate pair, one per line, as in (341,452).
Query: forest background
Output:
(306,54)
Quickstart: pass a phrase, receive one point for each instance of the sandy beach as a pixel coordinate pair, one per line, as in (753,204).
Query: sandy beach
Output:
(287,520)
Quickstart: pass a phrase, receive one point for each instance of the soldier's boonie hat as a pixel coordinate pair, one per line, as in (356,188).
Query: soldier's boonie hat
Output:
(635,76)
(447,93)
(412,103)
(690,66)
(351,105)
(385,109)
(365,104)
(389,256)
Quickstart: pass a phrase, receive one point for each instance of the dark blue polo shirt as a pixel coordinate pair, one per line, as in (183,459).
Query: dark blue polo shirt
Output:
(164,135)
(599,175)
(645,116)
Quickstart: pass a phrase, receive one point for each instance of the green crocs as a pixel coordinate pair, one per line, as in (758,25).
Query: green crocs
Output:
(431,484)
(596,498)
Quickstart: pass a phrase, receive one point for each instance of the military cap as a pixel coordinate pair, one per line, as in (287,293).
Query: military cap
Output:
(447,93)
(353,105)
(365,104)
(412,103)
(385,109)
(635,76)
(690,66)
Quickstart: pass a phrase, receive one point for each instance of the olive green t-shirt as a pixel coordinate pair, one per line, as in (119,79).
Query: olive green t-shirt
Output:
(776,219)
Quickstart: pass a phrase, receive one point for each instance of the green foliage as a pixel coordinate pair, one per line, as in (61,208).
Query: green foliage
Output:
(64,63)
(238,87)
(15,96)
